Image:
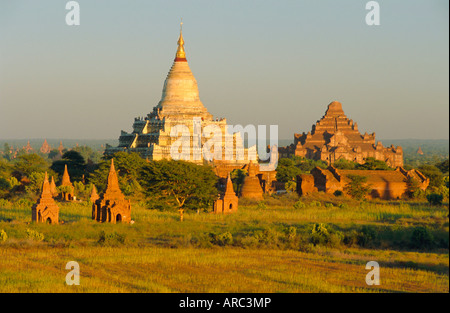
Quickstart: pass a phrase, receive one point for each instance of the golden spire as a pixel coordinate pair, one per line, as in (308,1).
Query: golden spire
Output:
(181,55)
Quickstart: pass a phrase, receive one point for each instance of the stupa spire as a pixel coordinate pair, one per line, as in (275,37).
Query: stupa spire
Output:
(46,193)
(66,177)
(181,54)
(112,185)
(229,190)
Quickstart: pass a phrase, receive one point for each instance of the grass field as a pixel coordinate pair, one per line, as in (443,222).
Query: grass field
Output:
(266,247)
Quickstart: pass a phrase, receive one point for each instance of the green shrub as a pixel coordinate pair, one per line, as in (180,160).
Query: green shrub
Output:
(249,241)
(291,233)
(329,205)
(34,235)
(299,205)
(268,236)
(261,206)
(319,235)
(422,238)
(3,236)
(315,203)
(23,203)
(111,239)
(5,204)
(351,238)
(435,199)
(367,236)
(223,239)
(343,206)
(325,236)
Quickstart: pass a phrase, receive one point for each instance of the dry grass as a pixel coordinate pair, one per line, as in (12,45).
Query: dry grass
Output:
(160,254)
(104,269)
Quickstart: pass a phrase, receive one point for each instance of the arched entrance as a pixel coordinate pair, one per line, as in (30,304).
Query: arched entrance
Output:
(49,220)
(118,218)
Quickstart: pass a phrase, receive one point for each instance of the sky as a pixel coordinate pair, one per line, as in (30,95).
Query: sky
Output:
(256,62)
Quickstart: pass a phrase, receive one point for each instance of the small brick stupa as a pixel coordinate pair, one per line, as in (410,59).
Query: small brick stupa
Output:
(94,195)
(45,210)
(228,203)
(69,194)
(112,206)
(252,187)
(53,188)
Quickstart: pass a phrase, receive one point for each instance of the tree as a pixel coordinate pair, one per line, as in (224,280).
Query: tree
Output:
(443,166)
(76,165)
(7,151)
(26,164)
(434,174)
(435,199)
(344,164)
(290,186)
(357,187)
(306,165)
(6,168)
(128,166)
(238,177)
(372,164)
(412,187)
(88,154)
(179,185)
(286,170)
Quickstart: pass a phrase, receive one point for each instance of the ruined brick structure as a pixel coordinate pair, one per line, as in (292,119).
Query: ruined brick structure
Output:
(384,184)
(53,188)
(68,194)
(251,189)
(112,206)
(94,195)
(336,137)
(228,202)
(267,179)
(45,210)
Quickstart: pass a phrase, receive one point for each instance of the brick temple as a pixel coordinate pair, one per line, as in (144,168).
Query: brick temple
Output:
(335,137)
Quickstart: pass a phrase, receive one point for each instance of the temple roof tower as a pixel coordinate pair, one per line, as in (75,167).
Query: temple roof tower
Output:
(228,202)
(112,206)
(45,210)
(53,188)
(45,148)
(335,137)
(67,195)
(94,195)
(112,185)
(66,178)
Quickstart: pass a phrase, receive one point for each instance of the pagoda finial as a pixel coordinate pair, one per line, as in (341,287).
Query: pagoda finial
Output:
(181,54)
(113,181)
(46,193)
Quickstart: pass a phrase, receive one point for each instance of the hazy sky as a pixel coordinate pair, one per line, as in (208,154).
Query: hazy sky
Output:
(256,62)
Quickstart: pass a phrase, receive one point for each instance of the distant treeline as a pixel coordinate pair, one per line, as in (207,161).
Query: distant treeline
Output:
(54,143)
